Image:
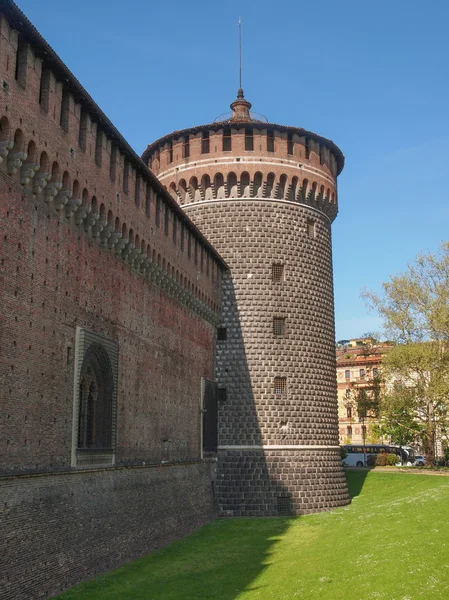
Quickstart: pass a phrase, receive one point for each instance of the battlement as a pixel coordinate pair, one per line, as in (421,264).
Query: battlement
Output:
(235,159)
(58,145)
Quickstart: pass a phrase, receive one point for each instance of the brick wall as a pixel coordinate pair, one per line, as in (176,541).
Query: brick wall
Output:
(60,529)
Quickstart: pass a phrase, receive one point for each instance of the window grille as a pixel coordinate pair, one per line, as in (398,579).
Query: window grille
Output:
(222,333)
(283,506)
(279,326)
(311,228)
(96,399)
(222,394)
(280,387)
(277,272)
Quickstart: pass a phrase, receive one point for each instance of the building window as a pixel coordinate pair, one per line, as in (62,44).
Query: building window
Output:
(270,141)
(307,148)
(279,326)
(186,147)
(222,333)
(375,372)
(362,372)
(349,431)
(277,272)
(348,393)
(170,152)
(222,394)
(205,143)
(249,138)
(349,411)
(364,432)
(347,374)
(289,143)
(96,399)
(280,387)
(311,232)
(227,140)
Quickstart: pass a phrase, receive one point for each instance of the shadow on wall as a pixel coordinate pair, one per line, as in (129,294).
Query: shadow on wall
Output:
(245,483)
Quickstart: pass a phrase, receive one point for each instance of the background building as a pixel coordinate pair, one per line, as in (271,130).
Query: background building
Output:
(359,363)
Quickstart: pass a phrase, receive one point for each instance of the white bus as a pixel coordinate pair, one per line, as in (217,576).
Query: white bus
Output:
(360,456)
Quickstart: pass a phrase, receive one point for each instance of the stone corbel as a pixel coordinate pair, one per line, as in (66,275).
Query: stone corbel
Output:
(121,243)
(5,147)
(15,161)
(40,181)
(62,198)
(98,227)
(127,249)
(106,233)
(72,206)
(27,172)
(113,239)
(81,214)
(51,190)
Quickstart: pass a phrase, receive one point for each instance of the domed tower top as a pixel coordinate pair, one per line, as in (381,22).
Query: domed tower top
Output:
(240,109)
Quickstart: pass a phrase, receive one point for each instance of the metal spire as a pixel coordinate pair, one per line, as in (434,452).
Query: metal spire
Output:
(240,50)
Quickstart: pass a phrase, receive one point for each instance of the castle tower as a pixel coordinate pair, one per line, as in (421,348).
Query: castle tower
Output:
(265,196)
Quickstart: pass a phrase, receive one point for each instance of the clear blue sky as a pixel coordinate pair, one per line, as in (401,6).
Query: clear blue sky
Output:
(371,76)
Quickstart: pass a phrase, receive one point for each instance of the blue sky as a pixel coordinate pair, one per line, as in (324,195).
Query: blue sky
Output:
(371,76)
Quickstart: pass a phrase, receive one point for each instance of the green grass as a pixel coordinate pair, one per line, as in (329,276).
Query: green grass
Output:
(391,543)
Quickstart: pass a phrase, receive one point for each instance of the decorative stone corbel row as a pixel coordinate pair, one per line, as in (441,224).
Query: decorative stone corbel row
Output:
(96,228)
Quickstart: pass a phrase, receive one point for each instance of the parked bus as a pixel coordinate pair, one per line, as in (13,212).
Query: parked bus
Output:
(358,455)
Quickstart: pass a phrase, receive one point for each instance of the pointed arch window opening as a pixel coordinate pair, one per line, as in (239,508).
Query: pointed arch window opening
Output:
(96,421)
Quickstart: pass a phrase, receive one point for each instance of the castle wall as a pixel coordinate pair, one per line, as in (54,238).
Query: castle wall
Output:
(92,245)
(64,528)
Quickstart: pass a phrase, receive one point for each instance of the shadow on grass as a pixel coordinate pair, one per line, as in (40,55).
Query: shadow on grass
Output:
(355,480)
(218,562)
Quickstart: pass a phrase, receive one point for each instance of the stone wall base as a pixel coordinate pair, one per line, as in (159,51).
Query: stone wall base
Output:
(59,529)
(262,483)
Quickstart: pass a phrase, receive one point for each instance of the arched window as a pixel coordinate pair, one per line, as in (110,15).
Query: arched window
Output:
(96,401)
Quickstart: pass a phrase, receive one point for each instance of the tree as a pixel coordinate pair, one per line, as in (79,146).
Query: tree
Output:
(414,307)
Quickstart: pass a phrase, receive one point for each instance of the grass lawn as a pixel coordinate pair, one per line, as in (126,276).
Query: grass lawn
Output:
(391,543)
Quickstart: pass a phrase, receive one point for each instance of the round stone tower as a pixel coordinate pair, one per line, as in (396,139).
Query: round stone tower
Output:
(265,196)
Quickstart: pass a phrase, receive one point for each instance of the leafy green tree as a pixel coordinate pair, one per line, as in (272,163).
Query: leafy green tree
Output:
(414,307)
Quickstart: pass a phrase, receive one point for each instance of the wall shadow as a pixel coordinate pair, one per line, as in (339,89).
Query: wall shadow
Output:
(356,479)
(246,484)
